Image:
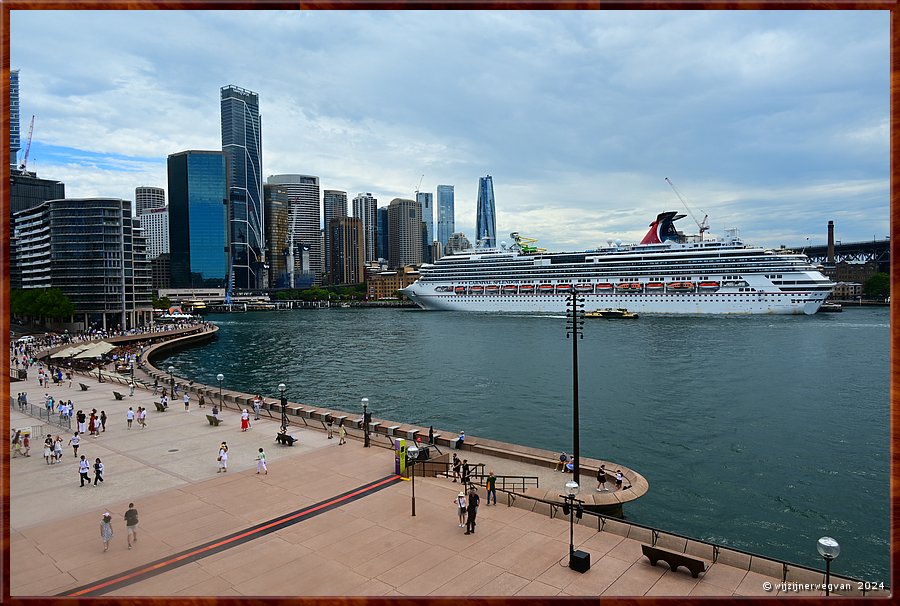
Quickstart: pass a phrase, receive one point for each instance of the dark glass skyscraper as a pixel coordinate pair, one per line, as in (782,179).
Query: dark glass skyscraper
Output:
(14,140)
(485,218)
(198,219)
(446,223)
(381,233)
(242,145)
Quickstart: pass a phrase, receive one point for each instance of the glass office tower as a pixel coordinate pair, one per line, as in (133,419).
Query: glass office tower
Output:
(446,223)
(242,145)
(198,219)
(485,218)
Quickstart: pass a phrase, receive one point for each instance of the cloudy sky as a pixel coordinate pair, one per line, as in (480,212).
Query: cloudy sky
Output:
(773,122)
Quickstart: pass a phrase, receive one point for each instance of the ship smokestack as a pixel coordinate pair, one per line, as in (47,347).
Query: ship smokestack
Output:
(830,259)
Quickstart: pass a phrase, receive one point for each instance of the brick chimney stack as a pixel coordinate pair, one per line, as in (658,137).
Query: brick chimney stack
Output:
(830,259)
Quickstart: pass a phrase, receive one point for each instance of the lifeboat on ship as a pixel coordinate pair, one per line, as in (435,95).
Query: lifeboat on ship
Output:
(584,287)
(563,288)
(604,287)
(476,290)
(510,289)
(546,289)
(680,286)
(628,287)
(526,288)
(708,286)
(491,289)
(655,287)
(460,290)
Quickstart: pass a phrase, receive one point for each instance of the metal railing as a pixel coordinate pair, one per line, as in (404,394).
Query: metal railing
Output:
(41,412)
(716,548)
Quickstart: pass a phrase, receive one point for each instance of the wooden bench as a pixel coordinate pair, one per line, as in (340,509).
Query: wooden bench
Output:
(84,387)
(118,395)
(160,407)
(674,559)
(214,421)
(286,439)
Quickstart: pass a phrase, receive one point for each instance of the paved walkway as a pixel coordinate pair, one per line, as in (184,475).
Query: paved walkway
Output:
(367,546)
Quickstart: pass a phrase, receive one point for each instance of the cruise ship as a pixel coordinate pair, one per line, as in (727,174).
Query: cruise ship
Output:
(666,273)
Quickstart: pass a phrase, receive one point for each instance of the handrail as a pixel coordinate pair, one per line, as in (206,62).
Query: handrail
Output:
(52,419)
(655,532)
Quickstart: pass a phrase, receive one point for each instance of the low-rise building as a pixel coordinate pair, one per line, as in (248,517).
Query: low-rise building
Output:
(385,284)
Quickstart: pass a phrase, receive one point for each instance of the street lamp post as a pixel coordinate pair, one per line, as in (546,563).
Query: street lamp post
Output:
(220,377)
(578,560)
(284,420)
(574,326)
(829,549)
(412,454)
(171,382)
(366,420)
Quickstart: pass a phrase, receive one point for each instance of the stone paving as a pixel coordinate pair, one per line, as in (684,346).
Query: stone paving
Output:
(370,546)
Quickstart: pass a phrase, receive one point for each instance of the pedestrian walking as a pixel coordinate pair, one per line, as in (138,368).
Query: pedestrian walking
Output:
(201,401)
(80,418)
(491,487)
(257,403)
(92,423)
(106,531)
(466,472)
(142,417)
(618,479)
(155,386)
(261,462)
(83,468)
(329,426)
(69,377)
(223,459)
(460,501)
(17,443)
(48,449)
(102,420)
(245,420)
(187,402)
(131,388)
(74,442)
(26,446)
(98,471)
(131,524)
(57,448)
(472,510)
(431,434)
(457,467)
(342,433)
(601,479)
(129,416)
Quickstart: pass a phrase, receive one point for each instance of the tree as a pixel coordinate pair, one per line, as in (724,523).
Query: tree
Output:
(41,303)
(878,286)
(163,303)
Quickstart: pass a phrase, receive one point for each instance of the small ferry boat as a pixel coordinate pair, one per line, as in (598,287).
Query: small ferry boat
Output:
(617,314)
(830,308)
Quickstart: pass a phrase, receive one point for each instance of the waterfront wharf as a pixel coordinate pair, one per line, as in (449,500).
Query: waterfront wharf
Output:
(326,520)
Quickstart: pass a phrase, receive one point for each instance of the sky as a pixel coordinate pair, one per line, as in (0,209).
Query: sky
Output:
(774,122)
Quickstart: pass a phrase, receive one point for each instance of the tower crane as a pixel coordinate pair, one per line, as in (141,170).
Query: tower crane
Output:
(701,225)
(27,145)
(418,186)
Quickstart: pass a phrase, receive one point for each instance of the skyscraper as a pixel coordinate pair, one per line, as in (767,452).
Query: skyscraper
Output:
(155,223)
(14,140)
(404,233)
(347,250)
(242,145)
(198,219)
(364,208)
(426,199)
(381,233)
(304,216)
(334,205)
(277,210)
(485,218)
(146,197)
(446,223)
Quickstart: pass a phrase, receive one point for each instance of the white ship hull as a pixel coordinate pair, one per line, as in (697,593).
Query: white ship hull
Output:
(682,303)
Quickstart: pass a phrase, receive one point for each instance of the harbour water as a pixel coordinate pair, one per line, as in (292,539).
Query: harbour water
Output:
(758,432)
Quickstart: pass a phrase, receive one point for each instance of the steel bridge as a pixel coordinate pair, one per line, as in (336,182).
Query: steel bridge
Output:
(853,252)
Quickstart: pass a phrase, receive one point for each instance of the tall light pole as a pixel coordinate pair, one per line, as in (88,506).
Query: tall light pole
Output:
(579,561)
(284,420)
(412,454)
(829,549)
(366,420)
(220,377)
(574,327)
(171,382)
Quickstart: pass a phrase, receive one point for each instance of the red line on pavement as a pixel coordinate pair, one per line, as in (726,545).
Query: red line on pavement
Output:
(231,539)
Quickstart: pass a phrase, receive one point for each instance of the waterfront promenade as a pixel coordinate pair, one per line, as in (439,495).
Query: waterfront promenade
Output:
(312,526)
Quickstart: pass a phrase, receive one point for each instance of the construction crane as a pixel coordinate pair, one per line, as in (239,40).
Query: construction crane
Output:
(418,186)
(27,146)
(701,225)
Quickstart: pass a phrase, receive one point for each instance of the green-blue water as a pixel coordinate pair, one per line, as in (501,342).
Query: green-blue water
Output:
(762,432)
